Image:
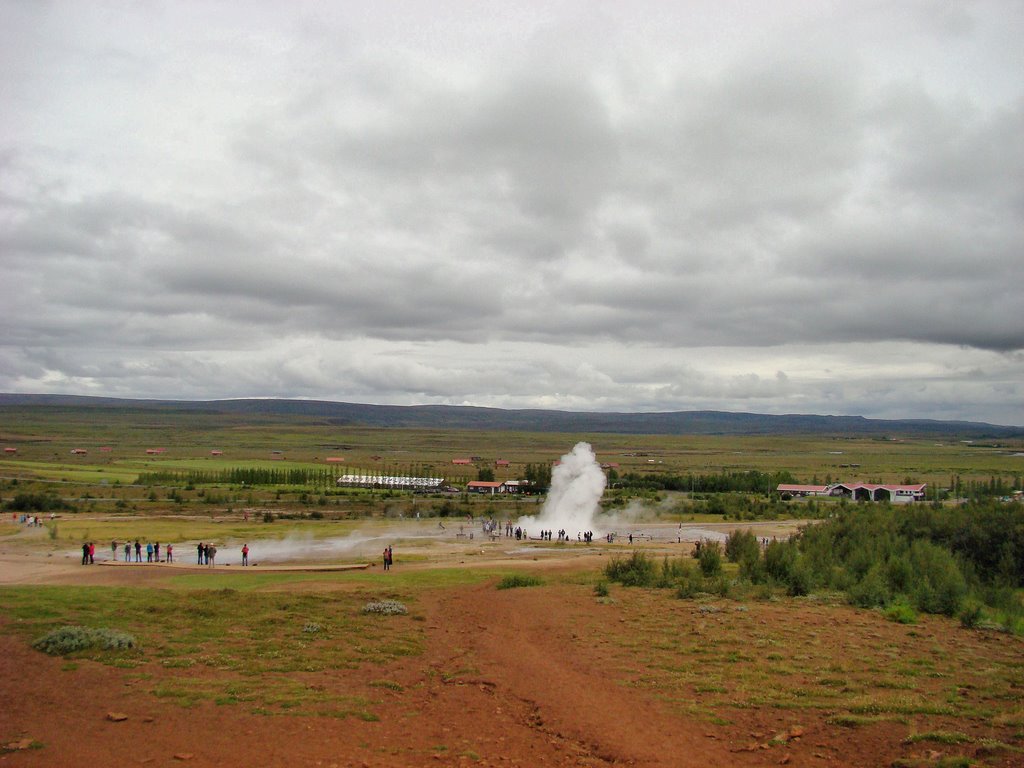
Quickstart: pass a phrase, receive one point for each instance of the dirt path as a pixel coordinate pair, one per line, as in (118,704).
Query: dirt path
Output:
(520,647)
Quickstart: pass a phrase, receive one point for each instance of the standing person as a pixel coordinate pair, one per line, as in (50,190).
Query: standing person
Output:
(245,554)
(156,552)
(200,551)
(149,552)
(211,553)
(85,553)
(92,552)
(170,553)
(138,552)
(127,551)
(391,557)
(113,549)
(385,558)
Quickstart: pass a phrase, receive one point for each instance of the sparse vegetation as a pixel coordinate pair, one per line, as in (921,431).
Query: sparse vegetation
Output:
(71,639)
(517,580)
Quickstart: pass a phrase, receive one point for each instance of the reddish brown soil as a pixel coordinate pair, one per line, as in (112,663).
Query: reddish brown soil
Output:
(508,677)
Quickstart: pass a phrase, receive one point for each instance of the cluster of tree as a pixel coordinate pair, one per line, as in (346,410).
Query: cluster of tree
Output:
(993,488)
(935,559)
(321,477)
(37,502)
(539,477)
(751,481)
(966,561)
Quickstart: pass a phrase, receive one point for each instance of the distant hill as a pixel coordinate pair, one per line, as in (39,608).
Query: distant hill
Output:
(468,417)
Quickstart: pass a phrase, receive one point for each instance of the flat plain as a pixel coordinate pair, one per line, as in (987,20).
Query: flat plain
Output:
(288,663)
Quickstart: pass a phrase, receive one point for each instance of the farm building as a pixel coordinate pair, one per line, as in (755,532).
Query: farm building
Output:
(462,461)
(10,450)
(484,486)
(487,486)
(392,482)
(502,463)
(334,459)
(215,452)
(897,494)
(802,490)
(78,451)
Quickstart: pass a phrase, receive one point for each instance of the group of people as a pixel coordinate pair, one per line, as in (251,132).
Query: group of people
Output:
(206,553)
(152,551)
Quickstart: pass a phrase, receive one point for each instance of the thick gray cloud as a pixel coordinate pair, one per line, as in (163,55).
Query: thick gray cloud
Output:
(800,208)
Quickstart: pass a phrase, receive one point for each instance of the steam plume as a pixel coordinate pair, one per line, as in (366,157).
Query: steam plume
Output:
(573,501)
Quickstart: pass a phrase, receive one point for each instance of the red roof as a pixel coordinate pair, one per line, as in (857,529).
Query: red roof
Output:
(334,459)
(462,461)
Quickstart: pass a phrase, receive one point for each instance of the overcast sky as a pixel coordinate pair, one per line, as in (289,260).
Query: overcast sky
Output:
(786,207)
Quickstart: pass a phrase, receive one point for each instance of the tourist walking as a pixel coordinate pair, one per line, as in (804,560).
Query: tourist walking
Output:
(245,554)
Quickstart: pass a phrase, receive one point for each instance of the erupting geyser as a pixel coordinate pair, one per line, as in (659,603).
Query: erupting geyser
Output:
(574,498)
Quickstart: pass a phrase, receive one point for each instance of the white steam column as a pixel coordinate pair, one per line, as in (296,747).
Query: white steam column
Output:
(574,498)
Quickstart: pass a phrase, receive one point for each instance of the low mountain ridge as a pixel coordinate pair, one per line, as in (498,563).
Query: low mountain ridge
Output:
(536,420)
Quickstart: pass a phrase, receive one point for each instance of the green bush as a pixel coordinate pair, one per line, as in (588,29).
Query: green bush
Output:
(801,580)
(601,589)
(672,571)
(69,639)
(939,586)
(901,612)
(710,558)
(517,580)
(971,614)
(742,545)
(779,560)
(872,591)
(635,571)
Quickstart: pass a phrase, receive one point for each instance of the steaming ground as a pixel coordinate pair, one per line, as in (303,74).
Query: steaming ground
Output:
(421,542)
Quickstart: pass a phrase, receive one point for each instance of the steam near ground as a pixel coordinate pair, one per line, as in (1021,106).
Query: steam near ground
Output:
(573,505)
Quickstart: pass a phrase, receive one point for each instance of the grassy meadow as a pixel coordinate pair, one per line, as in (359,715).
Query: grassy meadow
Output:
(105,478)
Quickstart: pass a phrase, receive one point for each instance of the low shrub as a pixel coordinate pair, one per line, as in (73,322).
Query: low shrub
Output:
(635,571)
(517,580)
(385,607)
(901,612)
(70,639)
(710,558)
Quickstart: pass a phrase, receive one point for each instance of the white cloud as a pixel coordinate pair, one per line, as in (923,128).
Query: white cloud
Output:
(572,205)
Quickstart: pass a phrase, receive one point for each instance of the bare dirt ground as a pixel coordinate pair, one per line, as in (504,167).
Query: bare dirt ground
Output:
(517,677)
